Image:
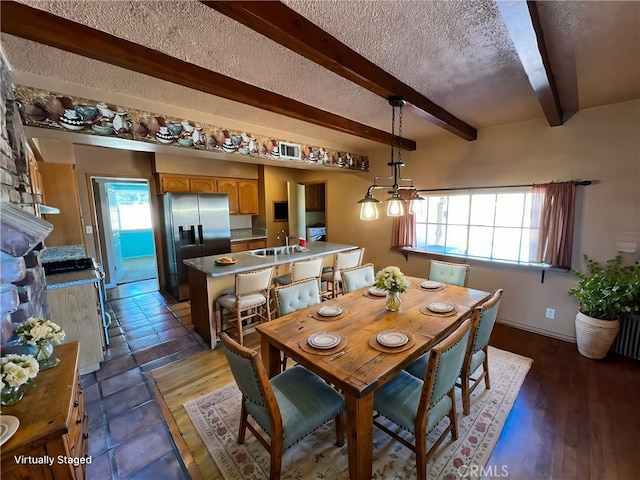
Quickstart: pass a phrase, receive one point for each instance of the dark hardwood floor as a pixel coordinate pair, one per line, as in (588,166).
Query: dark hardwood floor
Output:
(574,418)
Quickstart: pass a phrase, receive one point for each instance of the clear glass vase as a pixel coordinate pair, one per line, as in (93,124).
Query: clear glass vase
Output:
(393,301)
(10,395)
(45,355)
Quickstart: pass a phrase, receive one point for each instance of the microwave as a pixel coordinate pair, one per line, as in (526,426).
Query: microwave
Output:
(289,150)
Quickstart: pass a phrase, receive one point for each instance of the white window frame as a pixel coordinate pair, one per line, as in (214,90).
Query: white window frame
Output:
(423,222)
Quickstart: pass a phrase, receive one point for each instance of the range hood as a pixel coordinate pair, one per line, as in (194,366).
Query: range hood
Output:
(47,210)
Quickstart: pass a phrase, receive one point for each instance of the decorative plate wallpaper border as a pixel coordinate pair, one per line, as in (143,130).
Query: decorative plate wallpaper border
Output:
(45,109)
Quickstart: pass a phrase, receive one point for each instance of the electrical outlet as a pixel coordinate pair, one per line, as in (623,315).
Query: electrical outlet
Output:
(551,313)
(88,229)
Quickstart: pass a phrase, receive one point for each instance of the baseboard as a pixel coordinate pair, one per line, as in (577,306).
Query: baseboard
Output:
(541,331)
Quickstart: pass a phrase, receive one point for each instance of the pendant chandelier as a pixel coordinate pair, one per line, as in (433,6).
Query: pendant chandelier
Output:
(395,203)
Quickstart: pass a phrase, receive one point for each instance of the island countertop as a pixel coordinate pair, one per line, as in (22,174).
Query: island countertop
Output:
(246,261)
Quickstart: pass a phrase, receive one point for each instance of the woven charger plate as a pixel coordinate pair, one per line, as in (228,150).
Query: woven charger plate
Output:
(425,309)
(304,345)
(373,342)
(325,318)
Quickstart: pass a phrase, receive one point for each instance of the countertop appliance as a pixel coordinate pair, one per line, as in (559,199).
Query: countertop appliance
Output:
(317,234)
(195,225)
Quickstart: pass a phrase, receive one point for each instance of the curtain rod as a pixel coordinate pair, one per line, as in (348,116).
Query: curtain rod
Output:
(583,183)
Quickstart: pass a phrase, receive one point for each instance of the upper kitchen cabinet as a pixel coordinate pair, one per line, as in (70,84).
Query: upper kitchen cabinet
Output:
(242,192)
(248,197)
(60,190)
(230,187)
(185,183)
(314,197)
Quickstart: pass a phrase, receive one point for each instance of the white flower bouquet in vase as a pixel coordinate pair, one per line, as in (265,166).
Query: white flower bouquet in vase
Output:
(16,370)
(43,334)
(393,281)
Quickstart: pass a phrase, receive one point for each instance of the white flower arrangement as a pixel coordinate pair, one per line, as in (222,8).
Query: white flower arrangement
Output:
(34,330)
(391,279)
(18,370)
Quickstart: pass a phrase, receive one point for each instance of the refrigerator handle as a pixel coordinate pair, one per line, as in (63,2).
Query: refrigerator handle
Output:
(192,236)
(200,235)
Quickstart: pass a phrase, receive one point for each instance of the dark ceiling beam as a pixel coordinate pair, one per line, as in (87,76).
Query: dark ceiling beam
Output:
(522,22)
(48,29)
(285,26)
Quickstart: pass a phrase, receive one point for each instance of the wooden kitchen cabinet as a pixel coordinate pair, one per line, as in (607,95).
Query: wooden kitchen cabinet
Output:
(248,197)
(314,197)
(248,245)
(76,309)
(186,183)
(60,190)
(242,192)
(230,187)
(53,423)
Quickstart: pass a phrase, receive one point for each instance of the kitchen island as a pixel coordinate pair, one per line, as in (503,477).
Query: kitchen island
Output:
(208,279)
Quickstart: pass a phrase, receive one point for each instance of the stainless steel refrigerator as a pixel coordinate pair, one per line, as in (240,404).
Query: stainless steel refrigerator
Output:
(196,225)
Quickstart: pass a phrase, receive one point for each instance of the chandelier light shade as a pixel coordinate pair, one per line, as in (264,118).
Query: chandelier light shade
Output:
(395,203)
(395,206)
(369,207)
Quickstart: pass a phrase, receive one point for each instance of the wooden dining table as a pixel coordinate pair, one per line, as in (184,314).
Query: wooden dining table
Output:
(360,364)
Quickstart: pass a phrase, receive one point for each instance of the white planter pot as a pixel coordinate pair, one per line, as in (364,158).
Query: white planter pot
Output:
(595,337)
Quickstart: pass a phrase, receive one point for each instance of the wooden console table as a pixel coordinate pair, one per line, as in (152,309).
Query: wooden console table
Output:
(53,424)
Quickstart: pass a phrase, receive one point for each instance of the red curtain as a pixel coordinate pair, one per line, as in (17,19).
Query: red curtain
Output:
(553,212)
(403,233)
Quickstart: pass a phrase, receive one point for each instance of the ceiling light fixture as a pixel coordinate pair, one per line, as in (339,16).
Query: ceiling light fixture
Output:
(395,203)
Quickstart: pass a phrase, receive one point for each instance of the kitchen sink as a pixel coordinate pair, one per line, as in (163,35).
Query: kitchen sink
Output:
(273,251)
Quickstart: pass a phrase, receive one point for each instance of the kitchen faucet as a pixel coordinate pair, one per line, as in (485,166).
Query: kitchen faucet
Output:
(286,237)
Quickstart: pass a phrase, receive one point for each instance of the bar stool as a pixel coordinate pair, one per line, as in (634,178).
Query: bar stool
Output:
(250,299)
(342,260)
(301,270)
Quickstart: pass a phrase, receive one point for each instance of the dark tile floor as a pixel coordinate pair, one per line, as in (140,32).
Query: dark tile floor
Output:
(128,437)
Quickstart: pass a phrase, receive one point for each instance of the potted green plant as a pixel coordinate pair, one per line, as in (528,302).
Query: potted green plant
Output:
(606,292)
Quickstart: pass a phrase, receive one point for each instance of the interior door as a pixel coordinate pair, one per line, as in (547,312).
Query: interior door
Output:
(297,207)
(114,221)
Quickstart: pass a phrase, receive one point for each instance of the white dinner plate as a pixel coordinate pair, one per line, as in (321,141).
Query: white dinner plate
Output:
(327,311)
(8,426)
(440,307)
(407,283)
(392,339)
(324,340)
(378,292)
(431,284)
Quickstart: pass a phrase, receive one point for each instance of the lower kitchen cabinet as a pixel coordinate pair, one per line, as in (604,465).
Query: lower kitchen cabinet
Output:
(248,245)
(76,309)
(53,425)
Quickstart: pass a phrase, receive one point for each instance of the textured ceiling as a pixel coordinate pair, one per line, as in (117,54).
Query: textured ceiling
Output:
(456,53)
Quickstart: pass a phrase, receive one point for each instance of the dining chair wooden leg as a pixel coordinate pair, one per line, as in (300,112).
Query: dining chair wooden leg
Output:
(275,468)
(485,365)
(339,429)
(243,423)
(453,419)
(464,385)
(420,450)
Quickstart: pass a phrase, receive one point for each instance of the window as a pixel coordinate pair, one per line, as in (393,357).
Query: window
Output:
(483,224)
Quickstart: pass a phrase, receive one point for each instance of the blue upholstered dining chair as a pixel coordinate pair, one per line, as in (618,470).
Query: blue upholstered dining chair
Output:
(418,406)
(296,296)
(358,277)
(451,273)
(482,322)
(484,318)
(287,407)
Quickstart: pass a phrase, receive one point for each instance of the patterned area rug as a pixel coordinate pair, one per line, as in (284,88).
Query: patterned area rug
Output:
(216,417)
